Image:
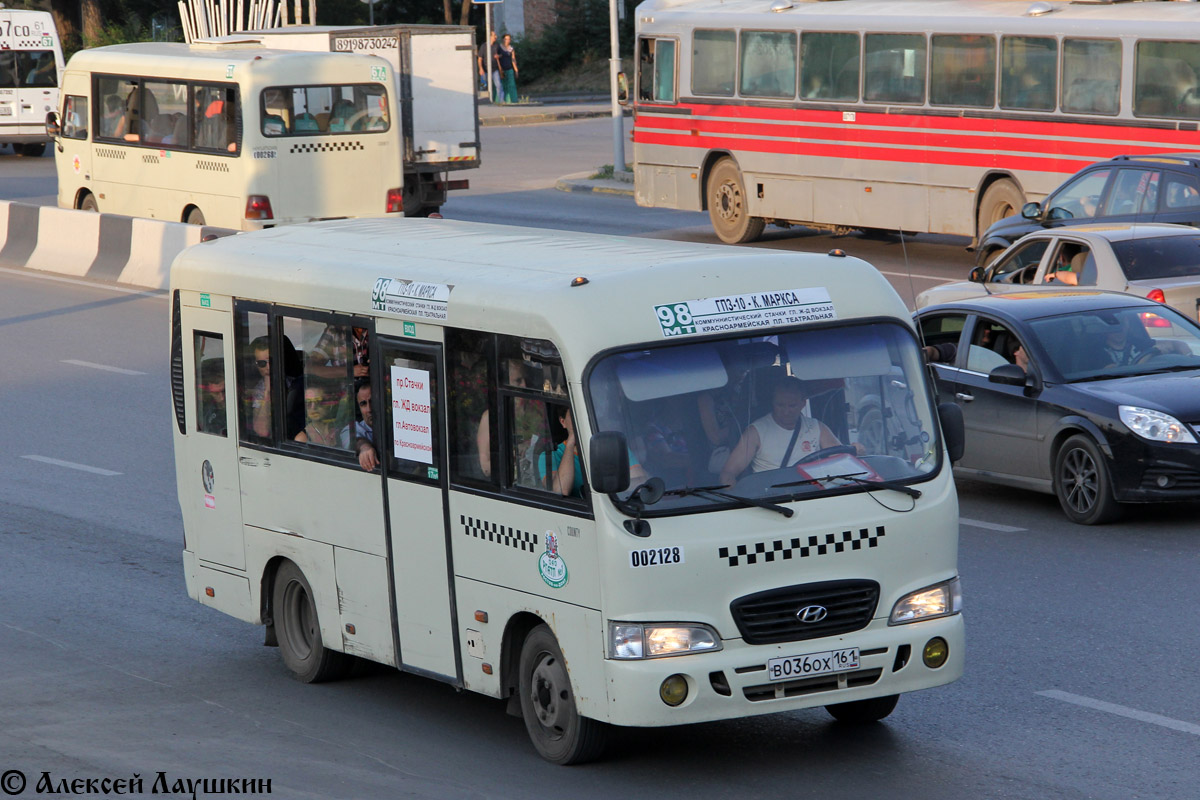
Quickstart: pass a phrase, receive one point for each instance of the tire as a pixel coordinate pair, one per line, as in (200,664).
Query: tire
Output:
(88,203)
(194,217)
(35,150)
(727,205)
(559,733)
(988,257)
(861,711)
(299,631)
(1002,199)
(1082,483)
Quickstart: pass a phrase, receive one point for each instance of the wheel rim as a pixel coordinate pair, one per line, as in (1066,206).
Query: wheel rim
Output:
(1080,481)
(729,203)
(1000,211)
(298,619)
(550,696)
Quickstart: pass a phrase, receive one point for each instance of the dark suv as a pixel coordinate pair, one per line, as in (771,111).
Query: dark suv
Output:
(1162,188)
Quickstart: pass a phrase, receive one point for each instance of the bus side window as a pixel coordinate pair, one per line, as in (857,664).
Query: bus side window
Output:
(254,373)
(664,71)
(1091,73)
(895,67)
(1028,72)
(470,378)
(829,66)
(75,115)
(325,355)
(214,115)
(211,412)
(963,71)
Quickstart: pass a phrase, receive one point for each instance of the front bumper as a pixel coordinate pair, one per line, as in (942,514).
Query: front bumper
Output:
(1147,472)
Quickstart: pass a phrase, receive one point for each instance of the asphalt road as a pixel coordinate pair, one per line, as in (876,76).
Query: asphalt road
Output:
(1080,677)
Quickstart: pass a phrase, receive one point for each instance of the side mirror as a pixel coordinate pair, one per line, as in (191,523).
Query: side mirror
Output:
(1008,375)
(977,275)
(52,127)
(622,89)
(608,462)
(953,429)
(1031,210)
(1059,214)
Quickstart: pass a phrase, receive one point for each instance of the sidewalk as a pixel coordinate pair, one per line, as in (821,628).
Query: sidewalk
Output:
(544,109)
(621,184)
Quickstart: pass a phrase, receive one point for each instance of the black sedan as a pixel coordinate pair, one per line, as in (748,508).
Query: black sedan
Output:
(1094,396)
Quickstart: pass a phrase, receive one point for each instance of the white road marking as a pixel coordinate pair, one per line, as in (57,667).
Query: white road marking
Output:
(71,465)
(991,526)
(1122,711)
(102,366)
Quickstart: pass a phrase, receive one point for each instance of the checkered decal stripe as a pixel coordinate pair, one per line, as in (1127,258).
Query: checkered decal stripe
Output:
(785,550)
(213,166)
(149,159)
(324,147)
(500,534)
(110,152)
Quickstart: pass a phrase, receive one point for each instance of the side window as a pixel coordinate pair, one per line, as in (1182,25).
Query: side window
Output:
(1079,198)
(768,64)
(75,117)
(414,442)
(214,118)
(963,71)
(326,355)
(36,68)
(1091,71)
(1132,191)
(120,105)
(1183,193)
(1164,83)
(1020,265)
(895,68)
(1073,264)
(714,62)
(993,345)
(209,358)
(829,66)
(942,328)
(664,72)
(254,375)
(470,376)
(164,113)
(1028,72)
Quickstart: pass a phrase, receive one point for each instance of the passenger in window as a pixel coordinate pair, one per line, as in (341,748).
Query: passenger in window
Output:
(528,423)
(212,397)
(566,473)
(781,438)
(259,401)
(321,401)
(1181,195)
(364,432)
(816,87)
(362,352)
(112,117)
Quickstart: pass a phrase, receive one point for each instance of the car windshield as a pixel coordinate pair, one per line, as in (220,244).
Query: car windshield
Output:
(1159,257)
(849,403)
(1119,342)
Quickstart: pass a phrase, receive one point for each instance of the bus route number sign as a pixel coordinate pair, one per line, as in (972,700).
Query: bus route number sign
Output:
(742,311)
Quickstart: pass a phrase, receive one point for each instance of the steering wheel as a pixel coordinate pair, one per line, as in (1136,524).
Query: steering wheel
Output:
(816,455)
(1149,355)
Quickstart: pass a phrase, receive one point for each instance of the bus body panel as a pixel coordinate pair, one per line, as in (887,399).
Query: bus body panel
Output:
(31,66)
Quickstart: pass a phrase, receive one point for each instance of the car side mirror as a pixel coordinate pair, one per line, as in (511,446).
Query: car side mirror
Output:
(622,89)
(1059,214)
(52,127)
(608,462)
(1008,375)
(977,275)
(954,430)
(1031,210)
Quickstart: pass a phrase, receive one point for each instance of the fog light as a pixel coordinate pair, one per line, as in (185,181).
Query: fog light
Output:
(673,690)
(936,652)
(1165,481)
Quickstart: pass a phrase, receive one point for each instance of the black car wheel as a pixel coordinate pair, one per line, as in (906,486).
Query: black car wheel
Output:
(1082,483)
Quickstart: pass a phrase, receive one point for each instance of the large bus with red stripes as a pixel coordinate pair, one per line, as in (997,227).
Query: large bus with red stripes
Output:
(936,116)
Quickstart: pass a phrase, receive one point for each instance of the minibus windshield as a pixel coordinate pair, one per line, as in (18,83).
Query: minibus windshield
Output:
(771,418)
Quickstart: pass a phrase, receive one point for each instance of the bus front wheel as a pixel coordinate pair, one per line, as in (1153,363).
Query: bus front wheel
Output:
(33,150)
(871,710)
(558,732)
(88,203)
(727,205)
(1002,199)
(299,631)
(194,217)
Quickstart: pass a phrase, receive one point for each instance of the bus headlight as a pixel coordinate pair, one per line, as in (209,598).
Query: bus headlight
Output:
(940,600)
(630,640)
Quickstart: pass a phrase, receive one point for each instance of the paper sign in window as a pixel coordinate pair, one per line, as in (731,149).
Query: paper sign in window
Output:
(412,418)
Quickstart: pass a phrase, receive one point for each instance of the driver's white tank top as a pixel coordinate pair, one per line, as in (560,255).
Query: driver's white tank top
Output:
(773,442)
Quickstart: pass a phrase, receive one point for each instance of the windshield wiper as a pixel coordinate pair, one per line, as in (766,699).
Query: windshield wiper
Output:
(856,477)
(717,492)
(1104,376)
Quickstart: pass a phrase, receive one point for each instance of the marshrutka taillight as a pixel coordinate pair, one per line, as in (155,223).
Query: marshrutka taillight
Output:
(258,206)
(395,201)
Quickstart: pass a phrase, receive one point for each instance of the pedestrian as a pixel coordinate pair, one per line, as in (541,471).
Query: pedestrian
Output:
(506,60)
(487,55)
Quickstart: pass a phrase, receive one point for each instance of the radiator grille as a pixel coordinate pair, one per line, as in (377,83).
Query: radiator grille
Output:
(773,616)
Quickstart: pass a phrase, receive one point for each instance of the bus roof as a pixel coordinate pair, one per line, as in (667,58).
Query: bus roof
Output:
(518,281)
(170,59)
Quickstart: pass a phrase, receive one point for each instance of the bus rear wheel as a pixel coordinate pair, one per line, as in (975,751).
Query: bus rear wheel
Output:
(194,217)
(727,205)
(88,203)
(859,711)
(1002,199)
(299,631)
(559,733)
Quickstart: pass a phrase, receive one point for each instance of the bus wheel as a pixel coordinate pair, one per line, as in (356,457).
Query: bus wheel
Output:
(871,710)
(1002,199)
(31,150)
(559,734)
(194,217)
(88,203)
(1082,484)
(727,205)
(299,631)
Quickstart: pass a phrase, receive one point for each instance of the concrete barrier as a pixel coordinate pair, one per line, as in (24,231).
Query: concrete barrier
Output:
(104,247)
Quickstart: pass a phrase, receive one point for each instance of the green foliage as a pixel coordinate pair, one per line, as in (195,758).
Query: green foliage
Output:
(580,36)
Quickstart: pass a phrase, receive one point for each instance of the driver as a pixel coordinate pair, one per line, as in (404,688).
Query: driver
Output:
(781,438)
(1121,349)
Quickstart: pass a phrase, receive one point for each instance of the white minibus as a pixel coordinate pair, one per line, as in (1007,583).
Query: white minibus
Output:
(31,63)
(235,136)
(610,481)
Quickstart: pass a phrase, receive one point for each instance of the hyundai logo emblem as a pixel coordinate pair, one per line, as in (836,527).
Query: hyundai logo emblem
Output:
(812,614)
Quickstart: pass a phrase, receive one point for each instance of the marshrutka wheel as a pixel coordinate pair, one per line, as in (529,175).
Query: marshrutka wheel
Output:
(299,631)
(559,733)
(1002,199)
(89,203)
(727,207)
(1082,484)
(195,217)
(871,710)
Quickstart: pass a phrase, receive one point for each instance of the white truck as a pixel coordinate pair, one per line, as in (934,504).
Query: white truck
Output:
(436,78)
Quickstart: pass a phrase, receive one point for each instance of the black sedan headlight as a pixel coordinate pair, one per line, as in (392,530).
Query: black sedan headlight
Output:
(1155,425)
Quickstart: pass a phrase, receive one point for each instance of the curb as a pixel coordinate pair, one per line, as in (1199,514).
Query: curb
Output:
(580,182)
(542,116)
(102,247)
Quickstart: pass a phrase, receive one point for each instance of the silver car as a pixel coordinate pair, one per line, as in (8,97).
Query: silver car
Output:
(1157,261)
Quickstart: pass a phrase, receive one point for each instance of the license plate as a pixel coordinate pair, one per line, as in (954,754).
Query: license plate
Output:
(806,666)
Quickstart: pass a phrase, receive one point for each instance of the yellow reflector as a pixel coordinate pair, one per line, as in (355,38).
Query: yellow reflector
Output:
(673,690)
(936,652)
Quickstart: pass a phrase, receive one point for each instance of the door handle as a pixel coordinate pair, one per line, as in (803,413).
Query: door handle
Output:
(966,398)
